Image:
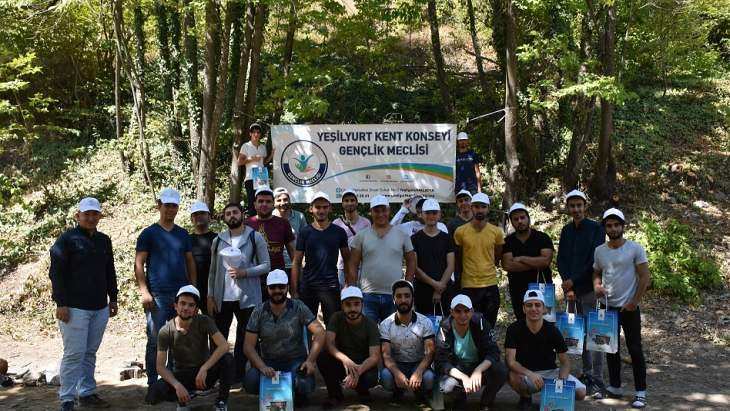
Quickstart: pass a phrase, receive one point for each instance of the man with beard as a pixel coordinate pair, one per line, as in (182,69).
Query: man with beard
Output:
(163,263)
(578,241)
(277,327)
(236,290)
(276,231)
(435,253)
(480,245)
(381,249)
(201,239)
(186,338)
(320,243)
(353,350)
(527,256)
(531,346)
(467,356)
(621,272)
(468,176)
(407,344)
(282,208)
(413,226)
(352,223)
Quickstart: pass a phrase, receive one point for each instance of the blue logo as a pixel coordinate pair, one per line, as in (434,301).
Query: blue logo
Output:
(304,163)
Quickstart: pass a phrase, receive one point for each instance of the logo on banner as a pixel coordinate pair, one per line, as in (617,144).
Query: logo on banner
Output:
(304,163)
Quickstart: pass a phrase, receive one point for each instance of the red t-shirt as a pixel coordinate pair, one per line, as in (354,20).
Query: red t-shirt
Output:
(277,233)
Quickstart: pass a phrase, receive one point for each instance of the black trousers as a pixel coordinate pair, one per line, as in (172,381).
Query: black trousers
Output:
(329,299)
(424,298)
(630,321)
(248,185)
(333,373)
(222,371)
(223,320)
(492,380)
(485,300)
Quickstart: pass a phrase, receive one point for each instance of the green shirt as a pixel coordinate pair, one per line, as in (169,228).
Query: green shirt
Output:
(189,349)
(354,340)
(464,347)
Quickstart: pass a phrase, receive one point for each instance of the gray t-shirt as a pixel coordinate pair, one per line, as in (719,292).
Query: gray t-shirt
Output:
(618,266)
(281,338)
(190,349)
(382,258)
(406,340)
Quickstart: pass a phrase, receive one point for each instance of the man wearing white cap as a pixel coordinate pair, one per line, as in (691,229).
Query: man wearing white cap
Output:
(252,154)
(467,355)
(202,240)
(463,211)
(621,274)
(527,255)
(296,219)
(319,244)
(163,263)
(468,176)
(277,328)
(531,346)
(413,226)
(276,231)
(578,241)
(381,249)
(84,284)
(480,246)
(352,223)
(197,367)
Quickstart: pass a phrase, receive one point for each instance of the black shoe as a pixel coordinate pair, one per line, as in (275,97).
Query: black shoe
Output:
(525,403)
(332,402)
(397,396)
(67,406)
(93,401)
(459,404)
(363,396)
(300,401)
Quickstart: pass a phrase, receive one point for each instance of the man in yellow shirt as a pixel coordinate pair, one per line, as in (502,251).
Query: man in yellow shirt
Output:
(481,249)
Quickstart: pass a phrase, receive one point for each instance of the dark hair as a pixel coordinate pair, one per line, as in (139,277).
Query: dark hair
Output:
(233,204)
(613,217)
(509,215)
(420,202)
(266,193)
(194,297)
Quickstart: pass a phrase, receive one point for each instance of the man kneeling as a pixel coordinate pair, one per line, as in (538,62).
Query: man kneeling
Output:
(186,336)
(531,346)
(467,355)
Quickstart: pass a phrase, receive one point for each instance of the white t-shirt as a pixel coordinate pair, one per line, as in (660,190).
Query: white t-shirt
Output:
(618,267)
(382,258)
(232,290)
(249,150)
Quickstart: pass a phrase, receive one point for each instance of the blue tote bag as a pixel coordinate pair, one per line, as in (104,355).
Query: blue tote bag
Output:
(602,329)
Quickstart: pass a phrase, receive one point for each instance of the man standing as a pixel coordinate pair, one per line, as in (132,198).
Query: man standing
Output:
(463,211)
(621,272)
(252,154)
(468,176)
(84,284)
(435,252)
(202,240)
(236,290)
(527,256)
(282,208)
(277,327)
(320,243)
(407,344)
(578,241)
(480,245)
(467,356)
(413,226)
(353,350)
(531,345)
(352,223)
(186,338)
(381,249)
(163,263)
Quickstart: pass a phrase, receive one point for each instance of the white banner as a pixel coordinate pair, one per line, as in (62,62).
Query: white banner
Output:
(395,160)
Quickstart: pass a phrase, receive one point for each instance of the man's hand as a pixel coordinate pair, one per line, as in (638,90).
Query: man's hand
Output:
(211,306)
(308,367)
(440,287)
(200,379)
(268,371)
(630,306)
(113,309)
(350,367)
(600,290)
(400,380)
(182,394)
(236,272)
(63,314)
(476,381)
(567,285)
(415,381)
(147,300)
(436,297)
(536,380)
(351,380)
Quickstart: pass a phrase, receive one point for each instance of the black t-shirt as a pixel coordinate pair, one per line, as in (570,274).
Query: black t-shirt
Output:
(535,352)
(201,255)
(431,252)
(531,248)
(321,250)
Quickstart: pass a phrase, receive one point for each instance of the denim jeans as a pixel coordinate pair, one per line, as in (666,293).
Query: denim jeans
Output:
(388,381)
(301,386)
(162,312)
(377,306)
(82,336)
(592,360)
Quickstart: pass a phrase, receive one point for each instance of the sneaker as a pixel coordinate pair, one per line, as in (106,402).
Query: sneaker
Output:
(183,408)
(615,393)
(638,402)
(525,403)
(332,402)
(67,406)
(397,396)
(221,405)
(363,396)
(93,401)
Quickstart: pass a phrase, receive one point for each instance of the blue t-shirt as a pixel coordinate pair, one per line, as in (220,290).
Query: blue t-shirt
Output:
(466,177)
(321,250)
(166,268)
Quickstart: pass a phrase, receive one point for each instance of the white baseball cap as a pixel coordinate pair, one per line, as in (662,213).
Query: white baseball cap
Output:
(169,196)
(199,206)
(263,190)
(576,193)
(322,195)
(463,193)
(188,289)
(281,190)
(89,204)
(462,136)
(461,299)
(480,198)
(614,212)
(533,295)
(277,277)
(431,205)
(379,200)
(517,206)
(350,292)
(349,191)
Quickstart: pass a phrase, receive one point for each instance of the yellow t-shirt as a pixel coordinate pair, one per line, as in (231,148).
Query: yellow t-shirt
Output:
(477,251)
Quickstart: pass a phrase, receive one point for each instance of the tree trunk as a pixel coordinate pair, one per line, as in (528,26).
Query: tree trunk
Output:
(167,73)
(487,90)
(512,168)
(140,61)
(286,59)
(117,98)
(439,58)
(236,46)
(497,23)
(192,92)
